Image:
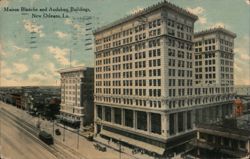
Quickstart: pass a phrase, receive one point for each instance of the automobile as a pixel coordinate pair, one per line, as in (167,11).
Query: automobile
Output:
(100,147)
(90,137)
(58,132)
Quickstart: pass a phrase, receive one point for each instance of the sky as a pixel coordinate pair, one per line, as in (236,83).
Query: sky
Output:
(33,49)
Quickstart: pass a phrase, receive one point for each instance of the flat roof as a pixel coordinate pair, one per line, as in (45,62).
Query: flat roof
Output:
(72,69)
(214,30)
(224,129)
(146,11)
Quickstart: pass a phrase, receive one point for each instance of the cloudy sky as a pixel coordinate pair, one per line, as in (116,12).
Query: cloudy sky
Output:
(33,49)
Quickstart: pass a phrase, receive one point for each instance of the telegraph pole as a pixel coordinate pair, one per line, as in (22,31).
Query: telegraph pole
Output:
(53,127)
(120,149)
(0,133)
(78,138)
(63,131)
(0,136)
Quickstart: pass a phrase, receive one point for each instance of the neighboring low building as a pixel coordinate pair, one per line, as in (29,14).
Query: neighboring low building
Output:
(242,90)
(77,95)
(228,140)
(30,98)
(243,93)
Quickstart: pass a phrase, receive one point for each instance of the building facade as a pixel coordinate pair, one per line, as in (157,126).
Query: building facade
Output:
(144,79)
(214,59)
(222,141)
(77,95)
(214,72)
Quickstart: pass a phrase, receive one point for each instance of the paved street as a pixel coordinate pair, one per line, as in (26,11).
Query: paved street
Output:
(17,144)
(86,147)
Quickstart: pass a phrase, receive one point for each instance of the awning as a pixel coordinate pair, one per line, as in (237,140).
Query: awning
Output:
(201,145)
(70,120)
(143,145)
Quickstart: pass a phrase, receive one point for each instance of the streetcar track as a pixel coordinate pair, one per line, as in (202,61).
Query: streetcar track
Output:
(31,134)
(58,150)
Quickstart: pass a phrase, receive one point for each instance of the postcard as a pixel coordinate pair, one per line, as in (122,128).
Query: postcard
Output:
(109,79)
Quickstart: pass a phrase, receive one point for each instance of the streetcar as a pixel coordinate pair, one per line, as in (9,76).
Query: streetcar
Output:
(46,137)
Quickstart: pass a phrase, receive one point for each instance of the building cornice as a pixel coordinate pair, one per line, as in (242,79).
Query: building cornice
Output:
(72,69)
(214,30)
(146,11)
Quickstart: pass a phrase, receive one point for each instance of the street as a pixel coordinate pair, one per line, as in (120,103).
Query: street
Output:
(17,144)
(86,148)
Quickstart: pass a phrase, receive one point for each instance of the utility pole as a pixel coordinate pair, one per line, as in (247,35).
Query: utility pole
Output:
(78,138)
(53,127)
(120,149)
(63,131)
(0,134)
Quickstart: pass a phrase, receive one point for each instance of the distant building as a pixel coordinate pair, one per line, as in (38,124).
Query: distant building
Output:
(77,95)
(242,90)
(31,98)
(228,140)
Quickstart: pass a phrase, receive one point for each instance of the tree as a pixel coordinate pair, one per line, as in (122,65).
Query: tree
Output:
(52,108)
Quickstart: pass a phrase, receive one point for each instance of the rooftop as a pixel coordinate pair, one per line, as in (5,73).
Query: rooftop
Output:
(229,127)
(213,30)
(72,69)
(29,87)
(146,11)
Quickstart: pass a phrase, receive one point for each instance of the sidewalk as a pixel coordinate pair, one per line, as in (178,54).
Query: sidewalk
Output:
(86,148)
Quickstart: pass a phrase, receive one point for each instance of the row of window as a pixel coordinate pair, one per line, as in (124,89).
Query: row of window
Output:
(127,91)
(180,35)
(207,76)
(181,73)
(179,44)
(143,73)
(180,54)
(190,102)
(179,26)
(128,32)
(152,82)
(225,42)
(226,62)
(207,62)
(181,82)
(227,69)
(171,92)
(206,42)
(179,63)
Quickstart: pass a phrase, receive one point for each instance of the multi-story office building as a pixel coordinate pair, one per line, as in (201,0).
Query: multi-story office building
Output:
(214,58)
(77,95)
(214,71)
(144,79)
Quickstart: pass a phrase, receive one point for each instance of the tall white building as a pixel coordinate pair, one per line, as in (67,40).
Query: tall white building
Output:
(77,95)
(144,95)
(214,58)
(214,72)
